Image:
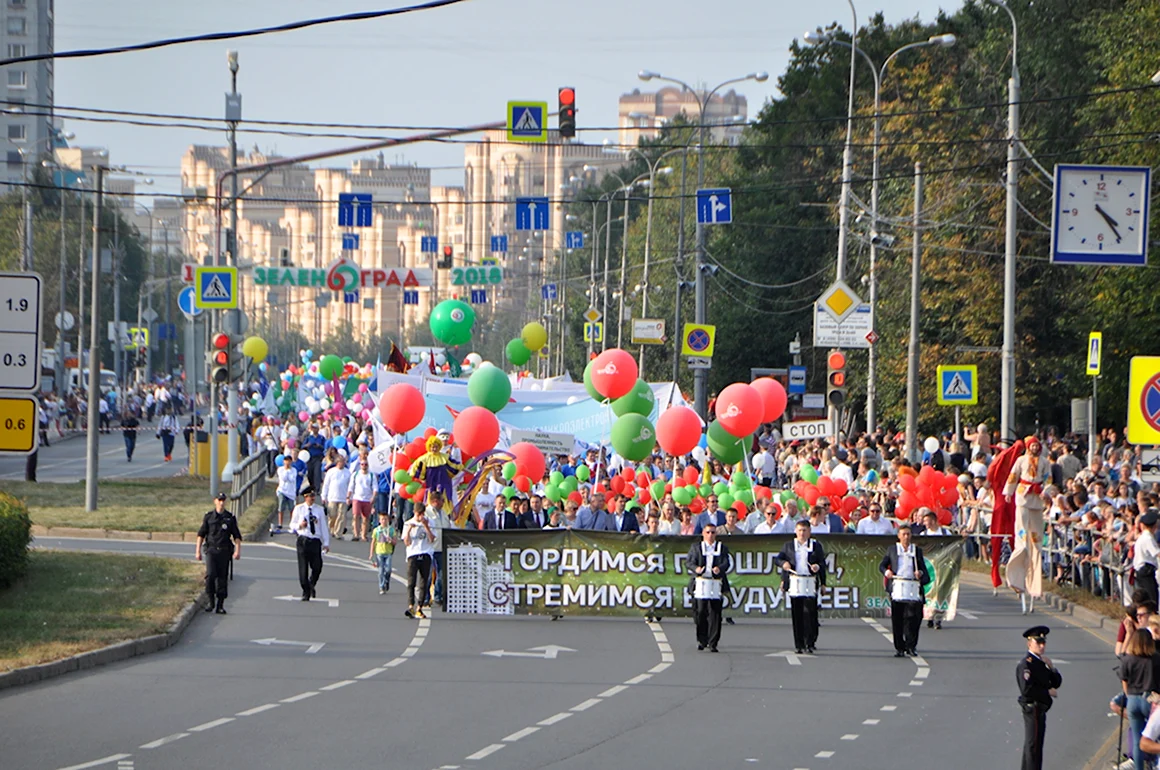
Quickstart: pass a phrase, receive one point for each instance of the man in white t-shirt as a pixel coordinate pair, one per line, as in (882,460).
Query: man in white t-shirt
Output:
(874,524)
(841,470)
(1150,736)
(765,466)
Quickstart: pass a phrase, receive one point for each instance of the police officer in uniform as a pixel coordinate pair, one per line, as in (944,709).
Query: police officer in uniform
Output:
(308,521)
(220,536)
(1038,680)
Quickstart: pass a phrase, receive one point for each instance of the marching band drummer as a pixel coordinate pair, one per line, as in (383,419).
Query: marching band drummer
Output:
(905,572)
(803,565)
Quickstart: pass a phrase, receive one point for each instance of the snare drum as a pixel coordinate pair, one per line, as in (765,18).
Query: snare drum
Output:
(707,588)
(803,585)
(905,590)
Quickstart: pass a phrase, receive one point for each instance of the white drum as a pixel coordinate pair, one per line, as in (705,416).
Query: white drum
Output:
(707,588)
(803,585)
(905,590)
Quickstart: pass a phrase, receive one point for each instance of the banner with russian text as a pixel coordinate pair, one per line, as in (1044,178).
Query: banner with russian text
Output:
(583,572)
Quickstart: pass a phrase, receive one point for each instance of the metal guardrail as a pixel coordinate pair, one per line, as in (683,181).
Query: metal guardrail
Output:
(249,482)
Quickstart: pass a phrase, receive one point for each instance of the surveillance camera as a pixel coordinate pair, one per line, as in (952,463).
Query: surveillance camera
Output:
(882,239)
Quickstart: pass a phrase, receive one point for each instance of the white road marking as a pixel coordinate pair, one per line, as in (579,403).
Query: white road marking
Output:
(905,694)
(824,754)
(409,652)
(210,725)
(257,710)
(889,708)
(369,674)
(871,722)
(337,685)
(660,667)
(920,662)
(585,705)
(612,691)
(667,657)
(421,631)
(162,741)
(664,647)
(484,753)
(98,762)
(395,662)
(968,615)
(850,737)
(916,683)
(554,719)
(518,734)
(922,673)
(638,679)
(300,696)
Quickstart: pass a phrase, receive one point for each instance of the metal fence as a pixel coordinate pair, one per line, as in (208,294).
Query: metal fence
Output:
(249,482)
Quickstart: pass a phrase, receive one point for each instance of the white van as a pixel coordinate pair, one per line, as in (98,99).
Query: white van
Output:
(108,380)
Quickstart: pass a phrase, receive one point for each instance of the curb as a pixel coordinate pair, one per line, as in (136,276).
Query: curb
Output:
(111,654)
(1098,623)
(252,536)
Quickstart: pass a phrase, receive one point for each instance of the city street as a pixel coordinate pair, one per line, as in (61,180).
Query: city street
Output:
(346,680)
(64,460)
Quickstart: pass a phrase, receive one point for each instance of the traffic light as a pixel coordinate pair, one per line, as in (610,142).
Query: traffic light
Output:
(219,360)
(567,112)
(836,379)
(446,261)
(237,363)
(142,357)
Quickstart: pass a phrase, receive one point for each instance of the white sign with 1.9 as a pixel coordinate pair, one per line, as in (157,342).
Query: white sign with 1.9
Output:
(20,319)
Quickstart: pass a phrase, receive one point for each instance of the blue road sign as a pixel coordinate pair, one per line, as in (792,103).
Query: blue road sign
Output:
(411,297)
(574,240)
(185,302)
(479,296)
(531,213)
(525,121)
(489,262)
(350,297)
(797,379)
(429,244)
(957,385)
(499,244)
(548,291)
(349,241)
(714,206)
(166,331)
(216,288)
(354,209)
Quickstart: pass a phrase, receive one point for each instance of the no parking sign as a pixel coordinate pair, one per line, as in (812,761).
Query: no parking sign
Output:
(1144,400)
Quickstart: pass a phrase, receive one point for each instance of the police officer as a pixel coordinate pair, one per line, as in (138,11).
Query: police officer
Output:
(1038,680)
(219,529)
(308,521)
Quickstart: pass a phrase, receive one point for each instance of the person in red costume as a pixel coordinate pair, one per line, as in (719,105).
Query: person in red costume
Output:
(1003,516)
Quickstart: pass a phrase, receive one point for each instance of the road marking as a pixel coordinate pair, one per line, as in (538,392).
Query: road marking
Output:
(664,647)
(125,764)
(421,631)
(905,694)
(660,667)
(337,685)
(922,673)
(889,708)
(871,722)
(368,674)
(162,741)
(585,705)
(920,662)
(791,657)
(554,719)
(518,734)
(98,762)
(484,753)
(409,652)
(210,725)
(968,615)
(916,683)
(824,754)
(667,657)
(257,710)
(850,737)
(300,696)
(395,662)
(638,679)
(613,691)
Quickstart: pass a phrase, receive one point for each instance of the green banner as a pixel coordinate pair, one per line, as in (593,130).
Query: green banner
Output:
(582,572)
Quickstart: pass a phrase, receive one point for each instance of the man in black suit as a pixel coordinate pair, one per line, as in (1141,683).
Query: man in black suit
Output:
(904,561)
(708,561)
(618,519)
(803,556)
(500,518)
(535,517)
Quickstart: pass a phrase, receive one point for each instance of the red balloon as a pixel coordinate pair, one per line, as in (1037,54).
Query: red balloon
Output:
(927,476)
(840,487)
(697,505)
(643,479)
(614,373)
(576,497)
(628,473)
(609,497)
(477,430)
(739,409)
(907,482)
(944,517)
(668,489)
(763,493)
(677,482)
(691,474)
(402,407)
(950,481)
(629,490)
(849,505)
(679,431)
(529,460)
(429,433)
(739,506)
(949,496)
(926,497)
(644,497)
(616,484)
(522,484)
(907,502)
(773,397)
(599,489)
(825,486)
(811,494)
(467,478)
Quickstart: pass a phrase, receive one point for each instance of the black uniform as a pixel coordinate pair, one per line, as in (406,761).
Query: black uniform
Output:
(220,532)
(707,612)
(803,609)
(1035,678)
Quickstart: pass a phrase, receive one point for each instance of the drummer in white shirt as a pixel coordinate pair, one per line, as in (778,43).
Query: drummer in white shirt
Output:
(803,565)
(874,524)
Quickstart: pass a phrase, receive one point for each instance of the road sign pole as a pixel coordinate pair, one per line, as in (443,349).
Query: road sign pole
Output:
(958,423)
(1092,422)
(92,437)
(915,306)
(700,376)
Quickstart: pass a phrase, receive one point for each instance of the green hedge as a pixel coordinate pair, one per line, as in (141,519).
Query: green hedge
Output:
(15,534)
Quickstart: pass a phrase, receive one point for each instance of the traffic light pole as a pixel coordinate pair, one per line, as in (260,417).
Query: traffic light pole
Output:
(92,435)
(913,348)
(232,389)
(211,423)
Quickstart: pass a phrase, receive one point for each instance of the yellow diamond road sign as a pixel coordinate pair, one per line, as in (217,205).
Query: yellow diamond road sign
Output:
(839,301)
(592,315)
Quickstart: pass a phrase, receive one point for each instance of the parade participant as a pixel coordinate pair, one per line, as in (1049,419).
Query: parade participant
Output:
(383,549)
(218,532)
(435,469)
(932,528)
(167,432)
(1145,555)
(309,522)
(1026,480)
(287,488)
(905,572)
(335,485)
(360,497)
(1038,681)
(803,558)
(420,542)
(708,581)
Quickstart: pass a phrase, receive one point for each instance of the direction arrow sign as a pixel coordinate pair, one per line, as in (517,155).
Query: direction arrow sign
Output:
(186,303)
(790,656)
(499,244)
(547,652)
(311,647)
(574,239)
(332,603)
(532,213)
(715,206)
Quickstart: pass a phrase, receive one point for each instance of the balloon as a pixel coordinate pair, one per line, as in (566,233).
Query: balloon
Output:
(279,459)
(825,486)
(255,348)
(339,442)
(529,460)
(629,475)
(490,388)
(773,398)
(576,497)
(304,456)
(552,492)
(304,416)
(948,496)
(534,336)
(682,496)
(849,505)
(509,492)
(907,482)
(614,373)
(633,436)
(509,471)
(616,484)
(697,506)
(741,481)
(518,353)
(809,474)
(840,487)
(690,474)
(739,506)
(726,447)
(476,430)
(740,409)
(588,386)
(926,476)
(926,497)
(944,517)
(555,477)
(811,495)
(950,481)
(451,321)
(523,484)
(644,496)
(569,484)
(402,407)
(640,400)
(402,476)
(931,444)
(678,430)
(583,472)
(330,367)
(705,490)
(763,493)
(725,501)
(720,488)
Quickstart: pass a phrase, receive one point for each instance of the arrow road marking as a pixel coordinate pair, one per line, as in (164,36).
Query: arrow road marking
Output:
(332,603)
(547,652)
(311,647)
(791,657)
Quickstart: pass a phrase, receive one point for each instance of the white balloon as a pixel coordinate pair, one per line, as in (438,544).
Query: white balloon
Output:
(475,359)
(293,431)
(931,444)
(304,456)
(699,454)
(440,359)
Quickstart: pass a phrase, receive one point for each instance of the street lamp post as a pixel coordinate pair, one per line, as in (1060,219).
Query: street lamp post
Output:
(643,179)
(653,169)
(701,376)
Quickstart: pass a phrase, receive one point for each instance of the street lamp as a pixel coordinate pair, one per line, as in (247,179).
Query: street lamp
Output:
(644,180)
(701,376)
(653,171)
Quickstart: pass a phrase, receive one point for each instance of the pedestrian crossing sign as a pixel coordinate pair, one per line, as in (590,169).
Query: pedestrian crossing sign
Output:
(958,385)
(527,122)
(217,288)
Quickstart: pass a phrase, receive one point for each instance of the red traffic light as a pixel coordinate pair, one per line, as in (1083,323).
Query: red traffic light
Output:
(447,251)
(221,357)
(567,96)
(221,341)
(837,379)
(837,359)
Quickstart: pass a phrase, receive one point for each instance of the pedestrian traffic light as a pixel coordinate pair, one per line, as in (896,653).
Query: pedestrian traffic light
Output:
(238,365)
(219,360)
(836,379)
(445,261)
(142,357)
(567,112)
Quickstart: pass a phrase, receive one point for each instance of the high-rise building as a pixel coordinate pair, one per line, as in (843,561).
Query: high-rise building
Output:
(642,114)
(26,111)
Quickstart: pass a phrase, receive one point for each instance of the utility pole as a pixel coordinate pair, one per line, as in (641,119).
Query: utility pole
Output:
(913,348)
(92,435)
(168,300)
(607,250)
(115,259)
(680,267)
(233,117)
(623,273)
(25,218)
(1007,411)
(60,370)
(700,376)
(81,296)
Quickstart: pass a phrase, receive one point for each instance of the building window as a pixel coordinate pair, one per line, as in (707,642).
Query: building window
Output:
(14,159)
(16,50)
(17,3)
(17,25)
(15,132)
(17,79)
(458,219)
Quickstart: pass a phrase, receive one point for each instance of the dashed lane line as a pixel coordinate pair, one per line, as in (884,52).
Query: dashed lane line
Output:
(98,762)
(485,752)
(162,741)
(212,724)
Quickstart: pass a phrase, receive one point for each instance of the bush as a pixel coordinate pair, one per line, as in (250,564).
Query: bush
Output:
(15,535)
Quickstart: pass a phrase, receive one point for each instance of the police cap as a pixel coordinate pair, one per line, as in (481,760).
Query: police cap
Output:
(1038,633)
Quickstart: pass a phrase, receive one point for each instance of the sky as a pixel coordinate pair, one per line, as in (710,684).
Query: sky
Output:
(452,66)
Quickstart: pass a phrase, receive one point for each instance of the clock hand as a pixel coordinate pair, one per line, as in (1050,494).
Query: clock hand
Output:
(1111,222)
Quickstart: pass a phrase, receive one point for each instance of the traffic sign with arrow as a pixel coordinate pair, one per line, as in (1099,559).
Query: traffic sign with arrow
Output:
(546,652)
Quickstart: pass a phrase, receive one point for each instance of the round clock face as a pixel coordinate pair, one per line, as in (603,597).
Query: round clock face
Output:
(1101,210)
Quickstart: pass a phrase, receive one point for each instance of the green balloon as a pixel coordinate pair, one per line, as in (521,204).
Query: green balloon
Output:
(583,473)
(658,489)
(509,471)
(509,492)
(741,481)
(402,476)
(726,448)
(330,367)
(683,495)
(786,496)
(640,400)
(809,473)
(725,501)
(720,487)
(588,386)
(490,388)
(552,492)
(803,506)
(631,505)
(705,490)
(746,496)
(451,322)
(517,352)
(413,487)
(633,437)
(555,477)
(569,485)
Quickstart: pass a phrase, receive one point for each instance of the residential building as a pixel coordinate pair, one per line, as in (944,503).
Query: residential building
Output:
(26,117)
(643,114)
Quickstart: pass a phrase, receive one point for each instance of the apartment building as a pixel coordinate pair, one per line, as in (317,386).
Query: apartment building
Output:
(642,114)
(26,114)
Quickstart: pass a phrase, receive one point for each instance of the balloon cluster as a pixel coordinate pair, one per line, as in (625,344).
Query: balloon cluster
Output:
(931,489)
(319,383)
(407,487)
(612,378)
(812,487)
(533,337)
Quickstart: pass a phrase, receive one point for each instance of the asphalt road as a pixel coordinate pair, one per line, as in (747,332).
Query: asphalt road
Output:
(390,692)
(64,460)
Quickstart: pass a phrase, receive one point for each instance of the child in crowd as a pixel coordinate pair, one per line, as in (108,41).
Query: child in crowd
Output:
(383,541)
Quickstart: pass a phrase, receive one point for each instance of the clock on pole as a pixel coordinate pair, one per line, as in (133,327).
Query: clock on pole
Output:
(1100,215)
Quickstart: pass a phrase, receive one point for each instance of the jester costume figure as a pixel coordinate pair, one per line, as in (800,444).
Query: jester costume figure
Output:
(1026,480)
(435,469)
(1003,516)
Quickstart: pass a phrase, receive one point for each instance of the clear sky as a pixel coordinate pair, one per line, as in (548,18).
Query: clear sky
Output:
(446,67)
